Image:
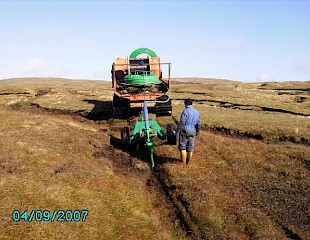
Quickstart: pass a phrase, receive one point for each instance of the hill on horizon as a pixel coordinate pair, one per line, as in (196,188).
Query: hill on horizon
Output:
(177,79)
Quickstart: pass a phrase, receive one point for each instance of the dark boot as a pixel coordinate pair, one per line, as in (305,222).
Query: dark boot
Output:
(189,157)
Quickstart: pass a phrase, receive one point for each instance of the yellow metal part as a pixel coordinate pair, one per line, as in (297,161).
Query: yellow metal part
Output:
(139,104)
(135,105)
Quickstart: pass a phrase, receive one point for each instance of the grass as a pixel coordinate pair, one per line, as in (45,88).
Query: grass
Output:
(239,108)
(75,95)
(234,188)
(250,94)
(269,125)
(33,146)
(241,189)
(61,94)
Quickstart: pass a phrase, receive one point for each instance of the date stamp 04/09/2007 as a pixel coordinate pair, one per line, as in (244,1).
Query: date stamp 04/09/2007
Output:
(53,216)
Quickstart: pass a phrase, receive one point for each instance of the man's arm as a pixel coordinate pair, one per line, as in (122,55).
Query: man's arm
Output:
(198,125)
(182,122)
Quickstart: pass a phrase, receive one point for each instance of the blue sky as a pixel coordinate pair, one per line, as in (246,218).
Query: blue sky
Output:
(248,41)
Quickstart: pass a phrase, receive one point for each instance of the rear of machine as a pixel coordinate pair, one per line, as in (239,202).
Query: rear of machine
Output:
(138,79)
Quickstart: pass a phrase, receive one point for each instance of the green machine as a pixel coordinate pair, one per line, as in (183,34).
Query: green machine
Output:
(136,79)
(145,131)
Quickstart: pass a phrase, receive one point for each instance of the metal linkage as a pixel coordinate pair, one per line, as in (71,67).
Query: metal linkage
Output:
(147,129)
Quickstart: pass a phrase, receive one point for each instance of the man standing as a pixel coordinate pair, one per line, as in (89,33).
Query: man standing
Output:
(188,130)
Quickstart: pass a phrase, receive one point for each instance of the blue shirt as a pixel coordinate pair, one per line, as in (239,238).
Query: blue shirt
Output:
(190,121)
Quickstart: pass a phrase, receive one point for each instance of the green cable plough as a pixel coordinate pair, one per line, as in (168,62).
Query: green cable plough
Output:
(145,131)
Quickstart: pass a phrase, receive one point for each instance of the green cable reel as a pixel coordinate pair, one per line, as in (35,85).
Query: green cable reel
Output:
(144,78)
(139,51)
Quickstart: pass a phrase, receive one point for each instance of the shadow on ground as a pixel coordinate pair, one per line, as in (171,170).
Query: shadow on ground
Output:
(140,151)
(164,160)
(102,110)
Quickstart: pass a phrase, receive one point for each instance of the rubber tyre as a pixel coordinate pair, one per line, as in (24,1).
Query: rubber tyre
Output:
(163,108)
(120,107)
(125,136)
(171,134)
